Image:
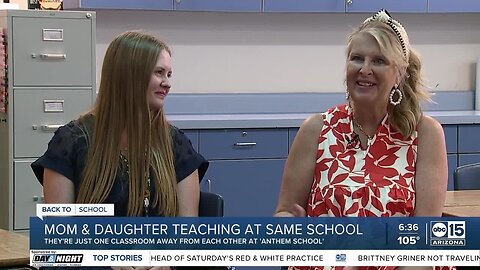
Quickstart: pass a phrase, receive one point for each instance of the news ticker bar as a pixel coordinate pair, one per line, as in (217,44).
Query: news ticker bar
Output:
(255,258)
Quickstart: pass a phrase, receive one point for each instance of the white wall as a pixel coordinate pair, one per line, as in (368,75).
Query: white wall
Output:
(241,52)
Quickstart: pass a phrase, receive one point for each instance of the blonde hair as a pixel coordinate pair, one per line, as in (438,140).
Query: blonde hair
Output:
(406,115)
(122,105)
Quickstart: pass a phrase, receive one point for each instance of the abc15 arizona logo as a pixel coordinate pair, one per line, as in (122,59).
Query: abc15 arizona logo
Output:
(447,233)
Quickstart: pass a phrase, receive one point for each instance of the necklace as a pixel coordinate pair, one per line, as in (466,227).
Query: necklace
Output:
(369,137)
(146,194)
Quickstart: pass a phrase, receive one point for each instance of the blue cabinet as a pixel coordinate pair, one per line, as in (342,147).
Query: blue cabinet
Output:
(244,143)
(447,6)
(468,141)
(249,187)
(292,132)
(219,5)
(451,138)
(119,4)
(468,145)
(404,6)
(452,165)
(246,167)
(304,6)
(367,6)
(452,149)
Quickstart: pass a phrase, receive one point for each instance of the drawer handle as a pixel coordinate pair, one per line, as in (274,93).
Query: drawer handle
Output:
(50,127)
(245,144)
(209,185)
(53,56)
(38,199)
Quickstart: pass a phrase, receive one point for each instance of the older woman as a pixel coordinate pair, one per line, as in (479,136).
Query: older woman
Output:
(377,155)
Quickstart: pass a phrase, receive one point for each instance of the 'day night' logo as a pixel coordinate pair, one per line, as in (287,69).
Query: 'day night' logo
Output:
(447,233)
(57,258)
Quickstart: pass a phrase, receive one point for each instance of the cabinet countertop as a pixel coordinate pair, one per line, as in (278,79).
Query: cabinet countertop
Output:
(211,121)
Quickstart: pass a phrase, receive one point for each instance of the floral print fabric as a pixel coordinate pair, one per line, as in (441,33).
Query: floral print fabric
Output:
(375,181)
(351,181)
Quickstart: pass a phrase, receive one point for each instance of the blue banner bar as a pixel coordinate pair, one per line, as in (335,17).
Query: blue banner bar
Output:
(157,233)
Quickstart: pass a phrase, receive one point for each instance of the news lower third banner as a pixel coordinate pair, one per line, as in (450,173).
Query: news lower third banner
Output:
(157,241)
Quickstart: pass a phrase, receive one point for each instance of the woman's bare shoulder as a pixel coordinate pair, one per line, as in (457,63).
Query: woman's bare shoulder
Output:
(313,123)
(429,126)
(311,127)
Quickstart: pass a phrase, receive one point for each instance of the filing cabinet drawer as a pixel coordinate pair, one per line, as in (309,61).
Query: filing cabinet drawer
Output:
(244,143)
(27,193)
(39,112)
(52,52)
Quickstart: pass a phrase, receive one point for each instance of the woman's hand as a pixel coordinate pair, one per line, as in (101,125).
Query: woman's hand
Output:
(295,211)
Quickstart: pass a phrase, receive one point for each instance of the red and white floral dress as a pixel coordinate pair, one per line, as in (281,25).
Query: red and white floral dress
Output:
(351,181)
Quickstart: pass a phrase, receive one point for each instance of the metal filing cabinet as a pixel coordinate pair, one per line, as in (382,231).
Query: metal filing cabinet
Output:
(49,76)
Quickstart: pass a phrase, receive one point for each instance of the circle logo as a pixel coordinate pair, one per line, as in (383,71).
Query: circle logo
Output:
(439,229)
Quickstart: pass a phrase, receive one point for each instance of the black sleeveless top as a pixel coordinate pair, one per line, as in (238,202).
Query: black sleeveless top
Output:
(67,152)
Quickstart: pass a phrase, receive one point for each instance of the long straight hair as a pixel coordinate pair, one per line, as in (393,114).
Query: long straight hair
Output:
(122,105)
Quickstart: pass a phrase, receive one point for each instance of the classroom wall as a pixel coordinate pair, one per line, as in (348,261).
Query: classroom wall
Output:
(290,52)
